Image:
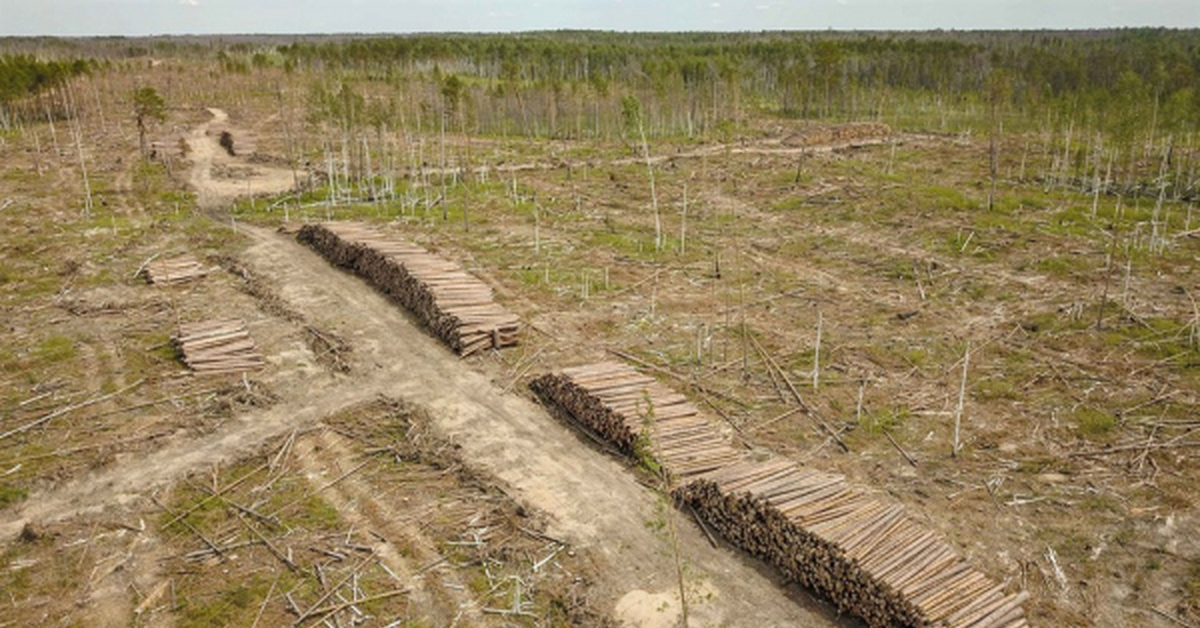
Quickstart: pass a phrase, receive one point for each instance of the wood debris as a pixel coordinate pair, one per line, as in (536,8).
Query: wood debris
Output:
(819,135)
(862,552)
(456,306)
(175,270)
(216,347)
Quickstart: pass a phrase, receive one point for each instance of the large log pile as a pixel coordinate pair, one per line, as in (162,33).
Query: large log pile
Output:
(860,551)
(457,307)
(174,270)
(217,347)
(639,416)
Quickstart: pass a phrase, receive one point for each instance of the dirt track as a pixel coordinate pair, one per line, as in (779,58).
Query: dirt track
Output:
(592,500)
(206,152)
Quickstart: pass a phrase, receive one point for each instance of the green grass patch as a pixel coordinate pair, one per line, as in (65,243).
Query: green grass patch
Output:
(236,605)
(1061,266)
(1093,423)
(994,388)
(890,420)
(54,349)
(12,494)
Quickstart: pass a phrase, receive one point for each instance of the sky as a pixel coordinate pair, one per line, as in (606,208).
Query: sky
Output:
(170,17)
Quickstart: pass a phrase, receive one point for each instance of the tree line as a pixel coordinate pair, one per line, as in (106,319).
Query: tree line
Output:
(24,75)
(812,74)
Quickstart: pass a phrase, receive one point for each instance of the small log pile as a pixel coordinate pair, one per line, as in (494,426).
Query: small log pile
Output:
(217,347)
(175,270)
(639,416)
(861,552)
(456,306)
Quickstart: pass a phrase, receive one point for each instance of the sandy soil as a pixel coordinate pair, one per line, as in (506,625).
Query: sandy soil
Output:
(206,153)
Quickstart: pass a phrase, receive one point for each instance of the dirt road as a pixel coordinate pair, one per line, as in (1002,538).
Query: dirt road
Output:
(206,154)
(592,500)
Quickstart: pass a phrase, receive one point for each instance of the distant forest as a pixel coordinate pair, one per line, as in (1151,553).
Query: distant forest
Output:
(1106,79)
(1128,94)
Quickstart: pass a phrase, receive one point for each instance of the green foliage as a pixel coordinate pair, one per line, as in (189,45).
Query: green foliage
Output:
(452,90)
(632,117)
(643,451)
(11,494)
(236,605)
(1191,588)
(1093,423)
(994,388)
(343,106)
(24,75)
(55,349)
(148,104)
(1108,80)
(318,513)
(885,420)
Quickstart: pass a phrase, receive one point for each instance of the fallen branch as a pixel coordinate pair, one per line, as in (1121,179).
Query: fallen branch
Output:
(899,449)
(270,546)
(58,413)
(215,495)
(1117,450)
(328,610)
(137,273)
(800,400)
(316,607)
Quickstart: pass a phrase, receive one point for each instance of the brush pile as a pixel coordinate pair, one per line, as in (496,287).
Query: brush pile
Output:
(176,270)
(217,347)
(860,551)
(640,417)
(849,133)
(457,307)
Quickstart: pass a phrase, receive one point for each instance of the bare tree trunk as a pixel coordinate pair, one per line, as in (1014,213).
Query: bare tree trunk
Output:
(77,133)
(658,235)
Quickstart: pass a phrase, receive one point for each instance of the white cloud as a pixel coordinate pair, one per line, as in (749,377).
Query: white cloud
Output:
(716,5)
(190,3)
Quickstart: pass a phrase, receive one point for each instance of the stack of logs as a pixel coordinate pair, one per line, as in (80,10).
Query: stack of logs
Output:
(175,270)
(217,347)
(639,416)
(860,551)
(457,307)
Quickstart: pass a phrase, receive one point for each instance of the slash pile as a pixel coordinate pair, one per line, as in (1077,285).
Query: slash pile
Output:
(217,347)
(862,552)
(176,270)
(457,307)
(638,415)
